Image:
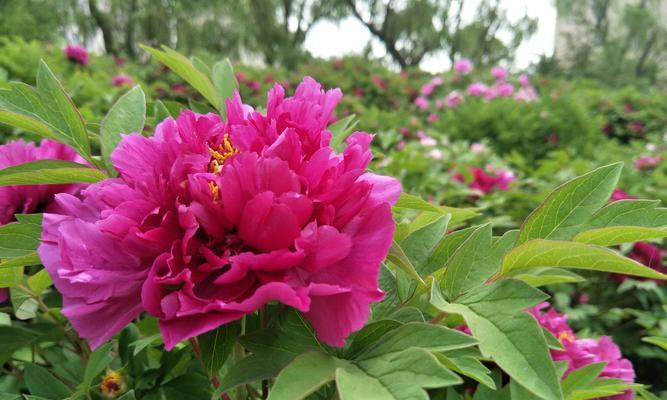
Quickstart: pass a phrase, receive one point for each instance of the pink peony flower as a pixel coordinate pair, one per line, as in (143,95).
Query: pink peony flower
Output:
(210,221)
(430,86)
(499,73)
(432,117)
(476,89)
(463,66)
(524,80)
(121,80)
(379,82)
(491,93)
(649,255)
(620,194)
(525,95)
(453,99)
(646,162)
(25,199)
(178,88)
(505,89)
(77,54)
(478,148)
(497,179)
(254,85)
(435,154)
(118,60)
(421,103)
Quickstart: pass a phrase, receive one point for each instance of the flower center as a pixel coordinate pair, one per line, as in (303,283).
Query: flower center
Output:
(566,336)
(219,154)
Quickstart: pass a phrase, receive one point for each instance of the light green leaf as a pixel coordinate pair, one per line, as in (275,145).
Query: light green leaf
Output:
(513,340)
(644,213)
(423,335)
(160,112)
(341,129)
(395,376)
(582,378)
(446,248)
(25,307)
(27,123)
(468,366)
(507,295)
(546,276)
(224,82)
(184,68)
(656,340)
(49,172)
(615,235)
(21,261)
(304,375)
(563,213)
(412,202)
(370,334)
(11,277)
(216,346)
(471,265)
(39,282)
(126,116)
(420,244)
(553,253)
(401,260)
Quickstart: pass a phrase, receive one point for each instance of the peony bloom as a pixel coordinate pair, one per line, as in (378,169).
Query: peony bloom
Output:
(490,93)
(121,80)
(430,86)
(499,73)
(476,89)
(581,352)
(505,89)
(646,162)
(421,103)
(432,117)
(478,148)
(524,80)
(25,199)
(435,154)
(453,99)
(77,54)
(495,179)
(525,95)
(463,66)
(210,220)
(620,194)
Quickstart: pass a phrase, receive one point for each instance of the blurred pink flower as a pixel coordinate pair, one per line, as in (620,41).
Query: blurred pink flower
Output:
(499,73)
(421,103)
(77,54)
(487,181)
(636,127)
(646,162)
(505,89)
(463,66)
(122,80)
(432,117)
(620,194)
(430,86)
(478,148)
(358,92)
(435,154)
(118,60)
(254,85)
(490,93)
(453,99)
(428,141)
(211,220)
(526,95)
(178,88)
(379,82)
(476,89)
(524,80)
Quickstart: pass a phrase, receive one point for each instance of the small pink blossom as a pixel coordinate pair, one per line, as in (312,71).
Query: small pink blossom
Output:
(499,73)
(505,89)
(254,85)
(432,117)
(524,80)
(478,148)
(379,82)
(118,60)
(421,103)
(428,141)
(400,145)
(77,54)
(463,66)
(487,181)
(646,162)
(526,95)
(358,92)
(490,93)
(122,80)
(453,99)
(178,88)
(477,89)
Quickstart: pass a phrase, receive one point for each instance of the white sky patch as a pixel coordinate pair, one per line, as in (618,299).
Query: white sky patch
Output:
(328,39)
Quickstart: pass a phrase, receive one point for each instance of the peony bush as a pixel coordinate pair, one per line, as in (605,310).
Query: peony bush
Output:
(237,252)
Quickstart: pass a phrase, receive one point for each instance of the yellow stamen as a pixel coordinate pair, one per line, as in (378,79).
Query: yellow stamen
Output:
(218,155)
(215,190)
(566,336)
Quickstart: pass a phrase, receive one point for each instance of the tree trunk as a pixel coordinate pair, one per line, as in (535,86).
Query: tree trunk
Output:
(104,24)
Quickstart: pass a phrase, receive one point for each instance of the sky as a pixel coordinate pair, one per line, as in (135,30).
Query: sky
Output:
(328,39)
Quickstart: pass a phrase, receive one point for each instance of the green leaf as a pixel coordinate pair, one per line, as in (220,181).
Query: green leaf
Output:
(507,295)
(581,378)
(39,282)
(369,335)
(656,340)
(644,213)
(615,235)
(49,172)
(420,244)
(468,366)
(446,248)
(546,276)
(471,265)
(25,307)
(41,383)
(400,259)
(423,335)
(563,213)
(28,124)
(304,375)
(216,346)
(128,396)
(412,202)
(160,112)
(11,277)
(184,68)
(224,82)
(513,340)
(600,388)
(341,129)
(127,115)
(97,362)
(21,261)
(553,253)
(200,65)
(395,376)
